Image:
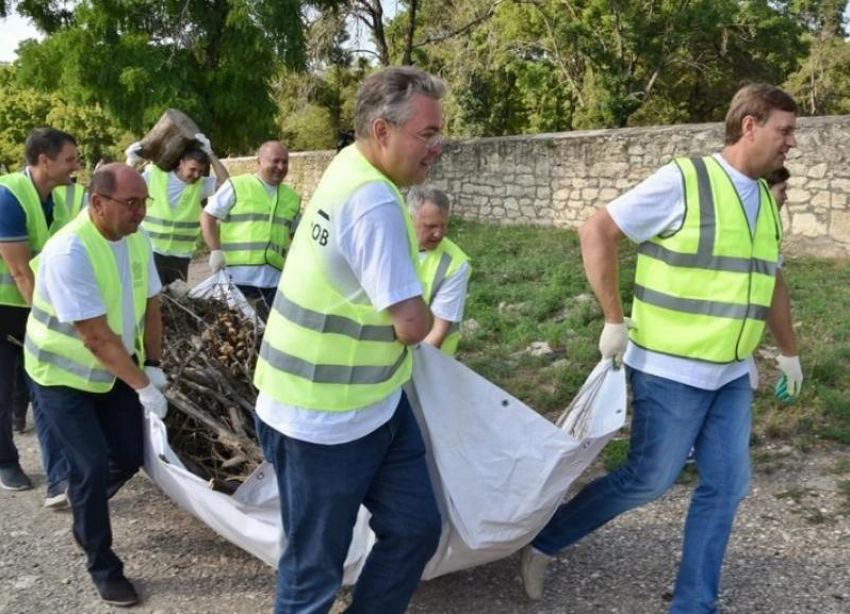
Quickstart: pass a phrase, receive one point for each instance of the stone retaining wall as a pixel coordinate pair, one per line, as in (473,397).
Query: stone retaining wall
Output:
(559,179)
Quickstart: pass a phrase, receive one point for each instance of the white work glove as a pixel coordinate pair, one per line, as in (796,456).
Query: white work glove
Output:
(614,338)
(157,377)
(789,386)
(217,260)
(132,153)
(153,401)
(204,142)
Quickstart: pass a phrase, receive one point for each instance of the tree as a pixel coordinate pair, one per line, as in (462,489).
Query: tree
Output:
(213,59)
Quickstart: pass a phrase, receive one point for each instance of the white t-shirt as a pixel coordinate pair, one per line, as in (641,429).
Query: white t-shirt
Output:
(66,279)
(219,206)
(369,263)
(656,207)
(450,299)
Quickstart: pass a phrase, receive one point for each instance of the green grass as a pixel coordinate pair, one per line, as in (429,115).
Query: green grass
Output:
(528,285)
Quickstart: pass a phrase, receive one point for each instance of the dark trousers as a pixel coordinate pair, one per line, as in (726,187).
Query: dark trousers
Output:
(321,489)
(102,439)
(171,268)
(52,457)
(13,398)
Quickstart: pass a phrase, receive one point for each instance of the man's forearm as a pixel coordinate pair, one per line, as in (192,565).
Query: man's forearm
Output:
(600,255)
(779,318)
(221,174)
(25,280)
(210,230)
(109,349)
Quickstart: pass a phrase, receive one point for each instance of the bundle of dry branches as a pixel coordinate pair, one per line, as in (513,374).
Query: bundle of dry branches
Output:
(209,353)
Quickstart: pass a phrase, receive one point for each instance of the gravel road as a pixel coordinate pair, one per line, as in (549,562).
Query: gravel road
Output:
(790,554)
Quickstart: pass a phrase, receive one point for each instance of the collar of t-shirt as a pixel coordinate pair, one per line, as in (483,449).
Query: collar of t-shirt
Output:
(271,189)
(747,188)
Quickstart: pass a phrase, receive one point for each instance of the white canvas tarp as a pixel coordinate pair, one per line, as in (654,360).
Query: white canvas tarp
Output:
(498,468)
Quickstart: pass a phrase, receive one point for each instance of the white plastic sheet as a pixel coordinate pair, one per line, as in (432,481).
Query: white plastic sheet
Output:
(498,468)
(219,286)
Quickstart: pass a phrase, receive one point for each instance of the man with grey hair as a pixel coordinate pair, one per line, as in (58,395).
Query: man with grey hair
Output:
(443,267)
(331,413)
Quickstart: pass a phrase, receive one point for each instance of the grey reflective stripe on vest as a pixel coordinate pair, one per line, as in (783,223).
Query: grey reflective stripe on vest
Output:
(706,261)
(6,279)
(707,222)
(323,323)
(454,328)
(236,247)
(706,308)
(440,276)
(705,258)
(51,322)
(330,374)
(257,217)
(171,224)
(95,375)
(69,195)
(165,235)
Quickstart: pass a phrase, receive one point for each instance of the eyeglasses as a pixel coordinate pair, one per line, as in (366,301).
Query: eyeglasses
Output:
(133,204)
(431,142)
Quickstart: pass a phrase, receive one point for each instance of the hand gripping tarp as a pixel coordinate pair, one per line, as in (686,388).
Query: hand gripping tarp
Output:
(499,469)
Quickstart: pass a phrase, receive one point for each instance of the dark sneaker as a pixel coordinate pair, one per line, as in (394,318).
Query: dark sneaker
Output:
(14,478)
(117,591)
(57,496)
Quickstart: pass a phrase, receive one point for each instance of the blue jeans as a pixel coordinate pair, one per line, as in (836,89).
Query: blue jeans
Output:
(102,438)
(321,489)
(13,397)
(668,419)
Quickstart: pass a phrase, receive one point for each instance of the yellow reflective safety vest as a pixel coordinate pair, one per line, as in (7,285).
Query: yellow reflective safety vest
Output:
(54,354)
(704,292)
(174,231)
(438,265)
(256,232)
(21,186)
(69,199)
(321,351)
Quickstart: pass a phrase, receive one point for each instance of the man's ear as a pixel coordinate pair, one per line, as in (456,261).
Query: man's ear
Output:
(380,130)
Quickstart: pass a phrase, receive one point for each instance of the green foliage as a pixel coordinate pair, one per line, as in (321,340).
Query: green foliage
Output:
(213,59)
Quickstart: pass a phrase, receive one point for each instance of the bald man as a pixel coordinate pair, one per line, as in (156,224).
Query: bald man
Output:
(92,350)
(249,222)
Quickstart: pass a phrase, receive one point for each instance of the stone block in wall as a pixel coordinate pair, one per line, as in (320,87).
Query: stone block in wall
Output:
(807,224)
(839,226)
(821,200)
(798,196)
(818,171)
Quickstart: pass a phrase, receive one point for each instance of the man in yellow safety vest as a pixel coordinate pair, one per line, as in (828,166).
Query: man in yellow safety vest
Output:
(249,222)
(30,212)
(708,279)
(443,267)
(332,416)
(92,349)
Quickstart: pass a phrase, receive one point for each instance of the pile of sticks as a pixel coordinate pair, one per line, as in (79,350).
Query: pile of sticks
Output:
(209,354)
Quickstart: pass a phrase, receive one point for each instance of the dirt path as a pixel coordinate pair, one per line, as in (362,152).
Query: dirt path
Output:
(790,554)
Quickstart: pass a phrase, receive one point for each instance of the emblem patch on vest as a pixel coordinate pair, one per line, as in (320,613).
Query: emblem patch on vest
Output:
(136,274)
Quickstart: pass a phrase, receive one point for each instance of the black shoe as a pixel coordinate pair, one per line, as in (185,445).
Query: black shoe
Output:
(14,478)
(117,591)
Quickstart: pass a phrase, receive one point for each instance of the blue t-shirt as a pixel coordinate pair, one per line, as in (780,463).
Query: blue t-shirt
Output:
(13,219)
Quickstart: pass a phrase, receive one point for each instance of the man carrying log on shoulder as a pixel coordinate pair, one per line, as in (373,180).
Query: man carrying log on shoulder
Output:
(173,220)
(92,350)
(332,416)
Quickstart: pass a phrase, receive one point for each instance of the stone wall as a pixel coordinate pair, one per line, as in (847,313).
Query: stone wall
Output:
(559,179)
